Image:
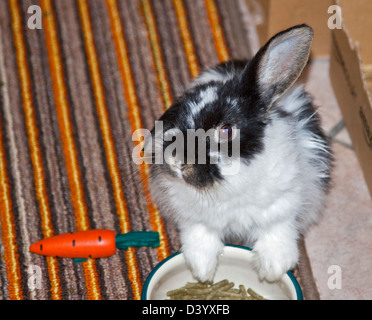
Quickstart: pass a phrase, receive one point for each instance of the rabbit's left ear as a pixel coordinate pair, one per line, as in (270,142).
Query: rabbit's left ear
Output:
(279,63)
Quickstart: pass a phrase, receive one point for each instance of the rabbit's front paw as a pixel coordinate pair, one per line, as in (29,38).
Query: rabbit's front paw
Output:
(203,265)
(273,264)
(201,248)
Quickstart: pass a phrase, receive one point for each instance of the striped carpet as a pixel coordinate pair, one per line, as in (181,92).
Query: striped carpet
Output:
(71,94)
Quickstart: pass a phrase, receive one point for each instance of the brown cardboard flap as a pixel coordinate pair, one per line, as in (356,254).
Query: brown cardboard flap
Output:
(351,90)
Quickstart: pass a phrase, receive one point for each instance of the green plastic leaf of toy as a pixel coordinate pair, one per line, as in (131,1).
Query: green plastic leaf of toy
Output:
(79,260)
(137,239)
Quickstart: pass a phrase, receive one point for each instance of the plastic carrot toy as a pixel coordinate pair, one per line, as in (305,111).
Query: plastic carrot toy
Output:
(97,243)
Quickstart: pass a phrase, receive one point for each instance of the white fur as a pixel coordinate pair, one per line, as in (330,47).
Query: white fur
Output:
(206,96)
(267,205)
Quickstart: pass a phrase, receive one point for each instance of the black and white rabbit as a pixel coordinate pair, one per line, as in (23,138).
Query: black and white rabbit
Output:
(285,160)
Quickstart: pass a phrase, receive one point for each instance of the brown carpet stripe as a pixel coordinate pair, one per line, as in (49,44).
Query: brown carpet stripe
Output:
(9,235)
(135,120)
(70,153)
(186,38)
(20,172)
(32,131)
(113,218)
(108,142)
(71,96)
(162,78)
(115,102)
(88,158)
(168,43)
(219,39)
(51,146)
(7,226)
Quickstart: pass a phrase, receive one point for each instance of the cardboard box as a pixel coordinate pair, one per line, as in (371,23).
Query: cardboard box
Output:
(351,77)
(272,16)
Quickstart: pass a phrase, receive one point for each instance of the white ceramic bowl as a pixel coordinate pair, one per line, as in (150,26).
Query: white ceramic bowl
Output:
(235,264)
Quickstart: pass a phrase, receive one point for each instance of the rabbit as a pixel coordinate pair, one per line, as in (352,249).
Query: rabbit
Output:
(284,160)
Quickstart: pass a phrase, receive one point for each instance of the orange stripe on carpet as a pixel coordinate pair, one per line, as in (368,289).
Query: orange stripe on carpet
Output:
(8,233)
(135,118)
(69,148)
(186,38)
(218,36)
(109,144)
(162,78)
(33,140)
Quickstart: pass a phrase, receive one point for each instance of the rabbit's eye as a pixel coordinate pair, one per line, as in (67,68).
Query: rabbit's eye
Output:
(226,132)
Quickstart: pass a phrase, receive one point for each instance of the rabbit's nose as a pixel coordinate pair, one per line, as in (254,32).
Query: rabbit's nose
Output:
(187,169)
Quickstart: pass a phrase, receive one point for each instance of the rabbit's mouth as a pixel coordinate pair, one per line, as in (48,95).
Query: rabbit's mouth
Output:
(200,176)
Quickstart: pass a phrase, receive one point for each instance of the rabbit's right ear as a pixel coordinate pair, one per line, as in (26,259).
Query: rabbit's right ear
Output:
(279,63)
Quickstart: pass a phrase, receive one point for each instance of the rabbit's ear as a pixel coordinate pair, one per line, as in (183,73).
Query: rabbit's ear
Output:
(279,63)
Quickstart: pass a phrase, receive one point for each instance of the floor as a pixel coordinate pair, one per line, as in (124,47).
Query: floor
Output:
(340,245)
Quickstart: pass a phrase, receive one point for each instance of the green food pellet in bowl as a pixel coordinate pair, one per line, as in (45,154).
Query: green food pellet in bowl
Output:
(222,290)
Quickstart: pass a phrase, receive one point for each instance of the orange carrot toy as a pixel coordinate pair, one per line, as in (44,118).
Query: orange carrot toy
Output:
(98,243)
